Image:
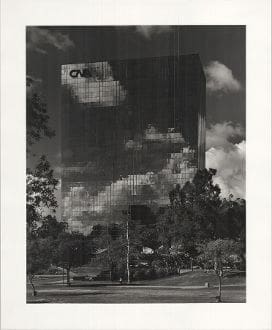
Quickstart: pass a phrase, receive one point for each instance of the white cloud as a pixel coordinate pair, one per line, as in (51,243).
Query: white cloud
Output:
(227,158)
(100,88)
(152,134)
(220,78)
(148,30)
(230,165)
(135,145)
(219,135)
(148,188)
(37,38)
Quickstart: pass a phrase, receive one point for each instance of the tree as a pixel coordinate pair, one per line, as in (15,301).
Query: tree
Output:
(41,204)
(73,250)
(40,197)
(42,228)
(41,183)
(50,227)
(199,203)
(39,257)
(42,225)
(198,214)
(192,214)
(218,252)
(148,236)
(232,224)
(112,240)
(37,117)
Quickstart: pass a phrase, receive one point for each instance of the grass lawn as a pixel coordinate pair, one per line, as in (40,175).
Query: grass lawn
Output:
(186,288)
(198,278)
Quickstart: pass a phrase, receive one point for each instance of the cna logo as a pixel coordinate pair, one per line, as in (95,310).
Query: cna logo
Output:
(84,73)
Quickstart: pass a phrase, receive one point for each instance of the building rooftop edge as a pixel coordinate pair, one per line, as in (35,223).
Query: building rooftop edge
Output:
(136,58)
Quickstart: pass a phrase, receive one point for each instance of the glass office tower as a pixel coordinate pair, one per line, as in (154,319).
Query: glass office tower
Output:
(131,130)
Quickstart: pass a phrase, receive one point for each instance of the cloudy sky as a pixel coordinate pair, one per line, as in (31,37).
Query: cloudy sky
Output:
(222,52)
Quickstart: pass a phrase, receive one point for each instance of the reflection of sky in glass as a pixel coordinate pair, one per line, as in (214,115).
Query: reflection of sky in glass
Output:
(133,156)
(100,88)
(135,188)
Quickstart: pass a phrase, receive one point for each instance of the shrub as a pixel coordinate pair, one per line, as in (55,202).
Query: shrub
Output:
(161,272)
(139,274)
(150,274)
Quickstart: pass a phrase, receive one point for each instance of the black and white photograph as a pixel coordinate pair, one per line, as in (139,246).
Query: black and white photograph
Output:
(136,164)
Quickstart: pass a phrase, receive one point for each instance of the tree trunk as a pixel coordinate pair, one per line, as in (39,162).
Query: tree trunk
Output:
(219,289)
(32,284)
(63,275)
(167,267)
(242,256)
(111,273)
(68,277)
(191,264)
(218,271)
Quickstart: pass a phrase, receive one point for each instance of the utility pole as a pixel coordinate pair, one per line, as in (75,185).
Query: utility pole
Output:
(128,247)
(129,218)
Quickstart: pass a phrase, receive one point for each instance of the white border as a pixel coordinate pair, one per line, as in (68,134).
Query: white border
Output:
(255,314)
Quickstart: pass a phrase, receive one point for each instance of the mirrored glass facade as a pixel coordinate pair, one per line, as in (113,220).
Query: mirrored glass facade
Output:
(131,130)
